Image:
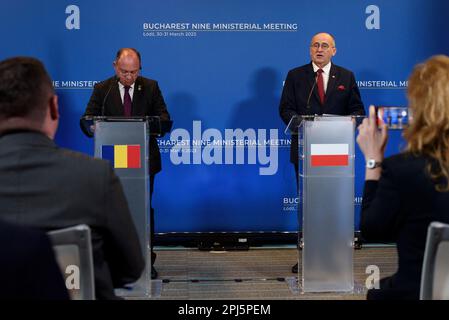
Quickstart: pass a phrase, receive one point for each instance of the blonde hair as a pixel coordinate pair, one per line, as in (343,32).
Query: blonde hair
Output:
(428,133)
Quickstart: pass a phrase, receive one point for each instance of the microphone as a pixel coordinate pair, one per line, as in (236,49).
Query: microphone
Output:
(115,80)
(311,90)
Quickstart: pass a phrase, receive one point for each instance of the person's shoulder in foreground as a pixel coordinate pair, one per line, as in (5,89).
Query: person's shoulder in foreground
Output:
(59,187)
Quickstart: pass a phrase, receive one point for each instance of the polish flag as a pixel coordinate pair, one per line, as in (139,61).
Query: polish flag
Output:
(326,155)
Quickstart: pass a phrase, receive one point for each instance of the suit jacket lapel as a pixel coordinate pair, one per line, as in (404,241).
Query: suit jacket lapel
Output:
(138,99)
(333,77)
(312,83)
(116,103)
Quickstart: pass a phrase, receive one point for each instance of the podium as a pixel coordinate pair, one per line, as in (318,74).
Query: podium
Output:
(326,191)
(125,143)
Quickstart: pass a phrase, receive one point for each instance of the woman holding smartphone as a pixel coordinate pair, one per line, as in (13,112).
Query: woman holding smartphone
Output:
(407,191)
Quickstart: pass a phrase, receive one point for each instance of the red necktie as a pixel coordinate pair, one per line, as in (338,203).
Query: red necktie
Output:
(127,102)
(320,85)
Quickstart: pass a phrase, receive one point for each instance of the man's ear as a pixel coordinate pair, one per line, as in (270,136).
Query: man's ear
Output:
(54,108)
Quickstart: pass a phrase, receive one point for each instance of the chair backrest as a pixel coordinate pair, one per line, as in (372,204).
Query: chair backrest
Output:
(435,271)
(73,251)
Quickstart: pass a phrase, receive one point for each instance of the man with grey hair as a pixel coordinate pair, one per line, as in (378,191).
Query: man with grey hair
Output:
(319,87)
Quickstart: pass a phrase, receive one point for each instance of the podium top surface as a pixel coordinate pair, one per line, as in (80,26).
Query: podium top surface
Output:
(157,127)
(297,120)
(120,118)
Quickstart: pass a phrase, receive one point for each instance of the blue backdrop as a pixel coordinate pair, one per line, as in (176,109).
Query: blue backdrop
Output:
(221,65)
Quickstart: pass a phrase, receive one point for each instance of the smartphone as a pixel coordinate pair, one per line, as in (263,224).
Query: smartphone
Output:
(394,117)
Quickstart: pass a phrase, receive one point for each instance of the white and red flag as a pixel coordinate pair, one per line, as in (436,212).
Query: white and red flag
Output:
(329,154)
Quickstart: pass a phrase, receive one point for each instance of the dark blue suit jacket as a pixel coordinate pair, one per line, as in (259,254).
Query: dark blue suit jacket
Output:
(298,98)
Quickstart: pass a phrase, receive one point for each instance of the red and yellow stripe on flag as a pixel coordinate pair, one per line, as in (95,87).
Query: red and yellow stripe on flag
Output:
(327,155)
(122,156)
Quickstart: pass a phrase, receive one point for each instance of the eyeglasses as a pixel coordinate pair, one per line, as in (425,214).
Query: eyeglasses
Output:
(324,46)
(125,73)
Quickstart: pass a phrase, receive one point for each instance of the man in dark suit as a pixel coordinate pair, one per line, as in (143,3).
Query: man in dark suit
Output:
(28,268)
(317,88)
(50,188)
(128,94)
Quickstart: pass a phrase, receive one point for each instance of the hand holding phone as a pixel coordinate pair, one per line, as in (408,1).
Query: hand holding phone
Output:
(373,135)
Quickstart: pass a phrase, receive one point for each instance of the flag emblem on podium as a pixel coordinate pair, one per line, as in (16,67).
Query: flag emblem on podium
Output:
(122,156)
(329,155)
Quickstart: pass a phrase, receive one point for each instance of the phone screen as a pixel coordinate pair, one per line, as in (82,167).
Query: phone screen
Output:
(393,117)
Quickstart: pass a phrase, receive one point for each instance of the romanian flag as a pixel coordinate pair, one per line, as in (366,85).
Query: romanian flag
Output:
(122,156)
(327,155)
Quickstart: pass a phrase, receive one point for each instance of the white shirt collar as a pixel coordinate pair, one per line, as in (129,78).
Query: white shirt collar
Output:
(122,87)
(326,68)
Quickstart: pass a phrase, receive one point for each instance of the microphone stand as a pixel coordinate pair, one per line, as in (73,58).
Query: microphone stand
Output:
(311,90)
(115,80)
